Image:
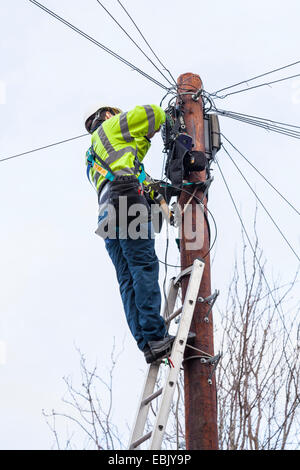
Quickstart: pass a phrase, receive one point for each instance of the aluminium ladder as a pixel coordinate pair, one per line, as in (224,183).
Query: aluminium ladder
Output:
(167,391)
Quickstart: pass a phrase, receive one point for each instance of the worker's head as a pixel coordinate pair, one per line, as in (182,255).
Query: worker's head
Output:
(95,119)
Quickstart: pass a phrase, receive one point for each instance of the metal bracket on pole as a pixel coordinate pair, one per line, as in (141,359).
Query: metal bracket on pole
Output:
(206,359)
(210,301)
(196,96)
(214,361)
(211,359)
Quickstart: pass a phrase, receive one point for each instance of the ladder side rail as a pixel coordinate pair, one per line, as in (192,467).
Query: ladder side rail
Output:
(177,355)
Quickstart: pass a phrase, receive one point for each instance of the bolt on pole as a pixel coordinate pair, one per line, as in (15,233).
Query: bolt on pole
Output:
(199,388)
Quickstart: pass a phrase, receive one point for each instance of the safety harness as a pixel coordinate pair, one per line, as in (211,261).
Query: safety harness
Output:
(103,168)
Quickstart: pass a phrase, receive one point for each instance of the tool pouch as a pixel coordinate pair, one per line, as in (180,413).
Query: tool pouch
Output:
(128,200)
(120,202)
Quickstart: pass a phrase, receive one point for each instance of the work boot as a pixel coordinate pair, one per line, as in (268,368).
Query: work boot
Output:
(155,350)
(158,349)
(148,355)
(161,346)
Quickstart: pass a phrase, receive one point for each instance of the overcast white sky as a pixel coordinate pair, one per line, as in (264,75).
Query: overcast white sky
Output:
(58,287)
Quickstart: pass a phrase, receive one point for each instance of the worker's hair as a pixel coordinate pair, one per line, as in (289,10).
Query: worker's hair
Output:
(100,118)
(103,113)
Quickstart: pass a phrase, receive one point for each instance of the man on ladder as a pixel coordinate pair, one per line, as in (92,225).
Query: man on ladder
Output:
(120,141)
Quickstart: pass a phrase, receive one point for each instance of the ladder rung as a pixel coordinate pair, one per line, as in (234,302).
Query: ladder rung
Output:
(151,397)
(141,440)
(183,273)
(173,315)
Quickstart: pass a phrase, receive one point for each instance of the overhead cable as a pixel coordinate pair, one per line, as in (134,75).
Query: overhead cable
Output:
(253,250)
(260,118)
(267,124)
(134,42)
(42,148)
(256,86)
(139,30)
(261,203)
(263,176)
(97,43)
(256,77)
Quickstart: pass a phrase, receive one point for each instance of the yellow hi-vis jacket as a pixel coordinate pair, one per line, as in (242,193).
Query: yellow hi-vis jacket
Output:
(122,142)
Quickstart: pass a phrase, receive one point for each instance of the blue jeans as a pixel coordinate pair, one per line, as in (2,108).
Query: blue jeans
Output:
(137,272)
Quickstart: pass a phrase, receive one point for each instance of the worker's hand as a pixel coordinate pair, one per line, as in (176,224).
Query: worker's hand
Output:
(153,133)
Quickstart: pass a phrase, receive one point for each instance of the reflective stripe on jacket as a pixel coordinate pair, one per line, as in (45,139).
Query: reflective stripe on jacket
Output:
(121,141)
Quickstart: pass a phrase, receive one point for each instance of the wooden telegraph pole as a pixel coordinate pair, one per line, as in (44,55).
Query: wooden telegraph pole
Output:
(199,387)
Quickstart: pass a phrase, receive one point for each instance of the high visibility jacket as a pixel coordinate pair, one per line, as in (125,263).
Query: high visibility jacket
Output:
(121,142)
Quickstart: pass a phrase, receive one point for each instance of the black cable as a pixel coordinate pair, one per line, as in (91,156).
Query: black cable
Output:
(262,204)
(253,250)
(134,23)
(277,129)
(164,97)
(258,118)
(258,86)
(208,226)
(263,125)
(257,76)
(267,181)
(42,148)
(132,40)
(97,43)
(261,122)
